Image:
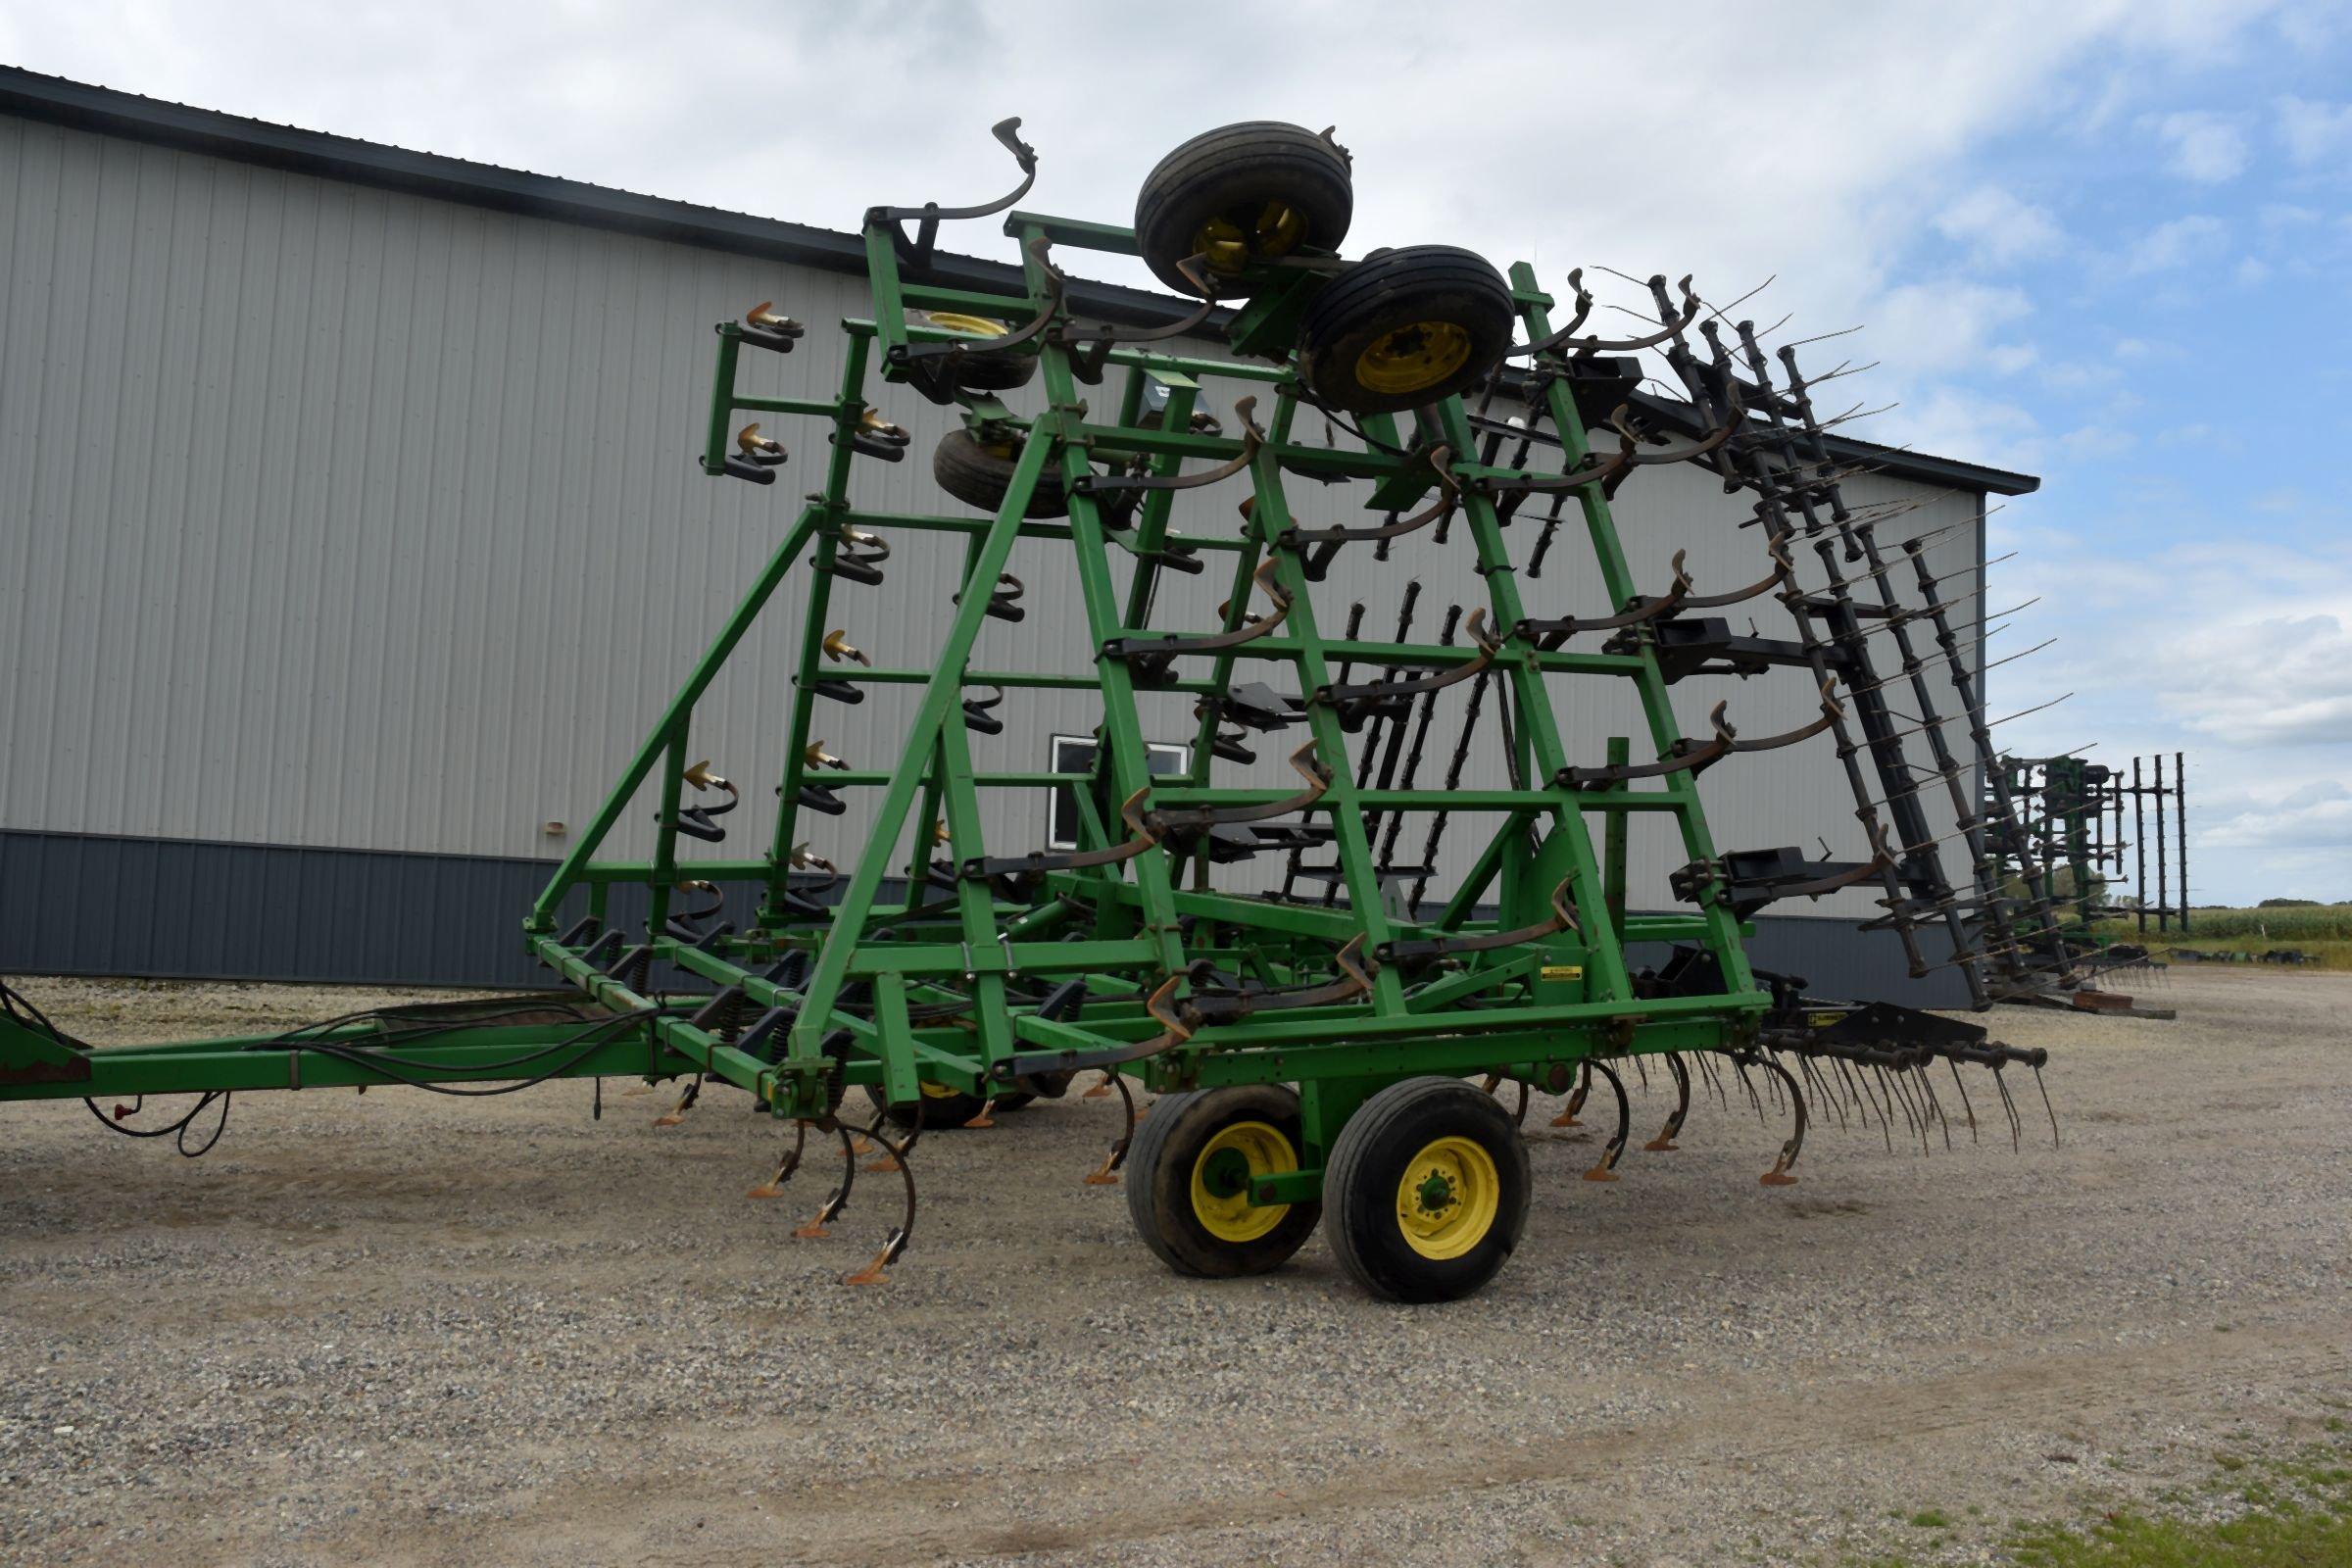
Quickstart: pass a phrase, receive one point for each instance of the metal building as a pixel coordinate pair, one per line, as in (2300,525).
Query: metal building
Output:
(351,536)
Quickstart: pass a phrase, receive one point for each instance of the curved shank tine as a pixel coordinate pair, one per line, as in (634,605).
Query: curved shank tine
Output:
(1735,417)
(773,1186)
(1454,674)
(1264,577)
(1779,551)
(1605,1168)
(1673,598)
(894,1240)
(968,348)
(1102,338)
(1439,457)
(1832,710)
(1585,347)
(1252,439)
(1779,1175)
(1107,1175)
(1584,308)
(1318,779)
(1004,131)
(1665,1140)
(1576,1099)
(839,1198)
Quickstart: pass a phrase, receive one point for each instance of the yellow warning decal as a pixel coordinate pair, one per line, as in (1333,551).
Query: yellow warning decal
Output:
(1823,1020)
(1562,971)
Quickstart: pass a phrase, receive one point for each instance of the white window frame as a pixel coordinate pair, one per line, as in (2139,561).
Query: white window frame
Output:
(1177,757)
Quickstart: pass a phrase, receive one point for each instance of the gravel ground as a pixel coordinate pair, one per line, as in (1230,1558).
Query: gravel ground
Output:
(402,1328)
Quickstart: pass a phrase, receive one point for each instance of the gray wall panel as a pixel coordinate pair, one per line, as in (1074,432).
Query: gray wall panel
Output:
(74,904)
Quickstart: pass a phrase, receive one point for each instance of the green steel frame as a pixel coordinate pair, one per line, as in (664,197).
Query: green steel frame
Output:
(883,989)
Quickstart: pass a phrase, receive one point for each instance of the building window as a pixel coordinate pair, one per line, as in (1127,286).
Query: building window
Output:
(1075,753)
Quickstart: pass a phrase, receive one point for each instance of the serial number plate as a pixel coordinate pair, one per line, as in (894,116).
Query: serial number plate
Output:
(1562,971)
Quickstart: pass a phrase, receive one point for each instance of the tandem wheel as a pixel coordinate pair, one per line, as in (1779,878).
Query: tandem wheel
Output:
(975,372)
(1425,1193)
(1403,328)
(1189,1176)
(1253,191)
(981,477)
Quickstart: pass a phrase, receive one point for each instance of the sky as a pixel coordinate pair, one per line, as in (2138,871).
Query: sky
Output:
(2106,243)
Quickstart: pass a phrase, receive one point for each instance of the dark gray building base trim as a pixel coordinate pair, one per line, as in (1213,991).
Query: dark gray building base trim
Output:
(183,908)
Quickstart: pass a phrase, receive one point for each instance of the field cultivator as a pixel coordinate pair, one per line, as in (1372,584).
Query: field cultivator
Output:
(2086,868)
(1340,1032)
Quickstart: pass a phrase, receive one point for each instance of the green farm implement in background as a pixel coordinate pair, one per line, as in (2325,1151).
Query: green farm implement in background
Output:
(1338,1056)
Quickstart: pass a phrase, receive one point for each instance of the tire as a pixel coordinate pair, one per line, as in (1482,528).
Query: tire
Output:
(944,1107)
(981,477)
(1446,1153)
(1188,1155)
(1219,190)
(982,372)
(1404,328)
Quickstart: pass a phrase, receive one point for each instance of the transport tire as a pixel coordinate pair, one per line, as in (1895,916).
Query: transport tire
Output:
(981,477)
(1257,189)
(1426,1195)
(1188,1173)
(1404,328)
(979,372)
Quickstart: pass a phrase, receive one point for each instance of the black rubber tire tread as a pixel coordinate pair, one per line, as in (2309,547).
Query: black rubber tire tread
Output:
(978,477)
(991,373)
(1360,1189)
(943,1112)
(1250,161)
(1395,288)
(1159,1188)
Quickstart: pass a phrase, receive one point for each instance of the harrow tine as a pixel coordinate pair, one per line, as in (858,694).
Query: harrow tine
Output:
(2040,1084)
(1965,1105)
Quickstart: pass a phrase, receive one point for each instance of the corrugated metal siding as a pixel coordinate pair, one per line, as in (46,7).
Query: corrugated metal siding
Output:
(355,520)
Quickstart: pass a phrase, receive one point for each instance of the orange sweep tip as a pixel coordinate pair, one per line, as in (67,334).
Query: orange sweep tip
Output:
(813,1231)
(1600,1173)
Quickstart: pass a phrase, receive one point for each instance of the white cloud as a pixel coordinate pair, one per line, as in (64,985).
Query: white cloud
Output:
(1925,327)
(2206,147)
(2313,816)
(2277,681)
(2177,243)
(2253,270)
(1998,229)
(2314,132)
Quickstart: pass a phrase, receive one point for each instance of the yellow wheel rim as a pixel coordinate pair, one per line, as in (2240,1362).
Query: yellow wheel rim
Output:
(1276,231)
(977,325)
(1237,1155)
(1448,1198)
(1412,357)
